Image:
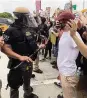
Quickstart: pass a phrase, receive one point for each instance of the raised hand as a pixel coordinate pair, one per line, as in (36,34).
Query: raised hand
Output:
(73,27)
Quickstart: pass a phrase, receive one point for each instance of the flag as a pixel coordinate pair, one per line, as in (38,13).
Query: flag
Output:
(38,5)
(74,7)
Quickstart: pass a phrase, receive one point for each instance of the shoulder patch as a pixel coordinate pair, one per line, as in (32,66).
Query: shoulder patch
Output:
(6,37)
(28,33)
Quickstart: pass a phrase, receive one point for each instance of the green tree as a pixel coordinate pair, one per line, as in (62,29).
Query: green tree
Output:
(6,15)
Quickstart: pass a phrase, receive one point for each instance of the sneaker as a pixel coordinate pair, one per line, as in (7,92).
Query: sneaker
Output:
(53,62)
(58,84)
(49,58)
(43,60)
(31,89)
(31,96)
(54,66)
(33,76)
(60,96)
(38,71)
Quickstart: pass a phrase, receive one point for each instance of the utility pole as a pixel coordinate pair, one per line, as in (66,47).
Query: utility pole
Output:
(71,5)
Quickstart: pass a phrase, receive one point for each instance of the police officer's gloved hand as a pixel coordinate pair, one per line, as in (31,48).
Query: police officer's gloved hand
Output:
(25,58)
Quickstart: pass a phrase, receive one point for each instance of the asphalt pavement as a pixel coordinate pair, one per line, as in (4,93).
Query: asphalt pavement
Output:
(43,84)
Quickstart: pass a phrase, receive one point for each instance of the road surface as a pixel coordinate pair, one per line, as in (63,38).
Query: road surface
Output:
(43,84)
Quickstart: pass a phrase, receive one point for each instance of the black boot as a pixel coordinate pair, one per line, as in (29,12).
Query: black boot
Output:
(55,67)
(38,71)
(31,96)
(33,76)
(31,89)
(58,84)
(60,96)
(53,62)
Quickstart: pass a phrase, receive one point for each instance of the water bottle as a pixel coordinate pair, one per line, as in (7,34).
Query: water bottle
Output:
(79,71)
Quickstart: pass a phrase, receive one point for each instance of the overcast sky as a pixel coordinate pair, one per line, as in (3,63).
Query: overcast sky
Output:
(9,5)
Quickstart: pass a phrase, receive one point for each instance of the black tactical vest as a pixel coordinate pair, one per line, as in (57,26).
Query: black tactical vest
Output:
(23,43)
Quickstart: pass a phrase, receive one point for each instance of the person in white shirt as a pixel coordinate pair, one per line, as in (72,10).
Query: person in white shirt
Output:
(67,55)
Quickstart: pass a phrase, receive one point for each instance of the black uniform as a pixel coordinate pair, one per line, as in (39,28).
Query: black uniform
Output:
(22,42)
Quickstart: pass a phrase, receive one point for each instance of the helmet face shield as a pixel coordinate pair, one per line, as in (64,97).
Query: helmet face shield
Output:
(31,22)
(26,19)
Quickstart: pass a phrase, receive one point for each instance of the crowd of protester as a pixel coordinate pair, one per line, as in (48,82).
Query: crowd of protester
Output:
(69,61)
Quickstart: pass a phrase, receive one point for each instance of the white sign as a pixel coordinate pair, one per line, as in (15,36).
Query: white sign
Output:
(68,6)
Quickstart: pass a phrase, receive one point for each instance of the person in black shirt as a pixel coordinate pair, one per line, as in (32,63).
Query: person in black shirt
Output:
(81,30)
(19,45)
(48,43)
(38,40)
(43,31)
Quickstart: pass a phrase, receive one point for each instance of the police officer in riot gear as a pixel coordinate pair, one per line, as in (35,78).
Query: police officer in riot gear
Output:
(19,45)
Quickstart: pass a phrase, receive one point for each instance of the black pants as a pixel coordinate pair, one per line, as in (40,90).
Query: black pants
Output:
(48,49)
(46,53)
(14,93)
(42,51)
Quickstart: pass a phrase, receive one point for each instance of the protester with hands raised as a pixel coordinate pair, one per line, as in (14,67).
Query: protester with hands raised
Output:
(82,47)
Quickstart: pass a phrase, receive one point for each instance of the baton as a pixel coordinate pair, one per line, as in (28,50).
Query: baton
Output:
(24,61)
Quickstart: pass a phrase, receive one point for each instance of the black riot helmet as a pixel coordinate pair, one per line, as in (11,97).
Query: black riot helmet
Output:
(23,17)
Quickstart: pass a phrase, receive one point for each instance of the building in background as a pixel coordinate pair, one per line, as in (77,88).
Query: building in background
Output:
(48,10)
